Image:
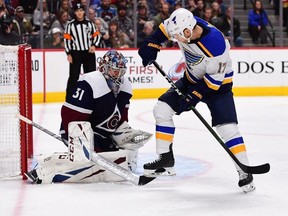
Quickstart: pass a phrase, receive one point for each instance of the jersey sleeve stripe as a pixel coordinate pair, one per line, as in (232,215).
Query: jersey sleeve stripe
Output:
(67,36)
(204,49)
(95,34)
(76,108)
(162,28)
(228,78)
(211,83)
(190,77)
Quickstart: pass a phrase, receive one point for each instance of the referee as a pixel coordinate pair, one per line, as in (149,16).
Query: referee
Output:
(80,41)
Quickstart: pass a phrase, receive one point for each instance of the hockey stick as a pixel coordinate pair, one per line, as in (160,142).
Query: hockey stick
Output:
(264,168)
(98,159)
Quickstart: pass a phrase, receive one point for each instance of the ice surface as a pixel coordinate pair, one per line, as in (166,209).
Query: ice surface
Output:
(206,180)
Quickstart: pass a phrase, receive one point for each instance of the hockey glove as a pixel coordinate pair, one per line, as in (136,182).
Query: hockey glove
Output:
(189,100)
(148,51)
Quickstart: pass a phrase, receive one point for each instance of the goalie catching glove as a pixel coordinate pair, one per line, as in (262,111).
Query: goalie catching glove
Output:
(129,139)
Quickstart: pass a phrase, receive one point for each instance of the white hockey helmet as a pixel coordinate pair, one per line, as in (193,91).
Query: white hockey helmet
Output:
(179,20)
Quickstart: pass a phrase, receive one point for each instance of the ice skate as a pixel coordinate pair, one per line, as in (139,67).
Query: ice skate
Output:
(246,182)
(33,177)
(164,165)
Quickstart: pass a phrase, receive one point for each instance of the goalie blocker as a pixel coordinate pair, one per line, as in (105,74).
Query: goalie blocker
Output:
(76,165)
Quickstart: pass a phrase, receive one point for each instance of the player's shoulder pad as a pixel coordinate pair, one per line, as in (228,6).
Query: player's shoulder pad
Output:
(213,43)
(97,82)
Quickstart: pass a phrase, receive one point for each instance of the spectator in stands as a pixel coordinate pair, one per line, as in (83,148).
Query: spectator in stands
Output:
(153,6)
(177,5)
(162,15)
(29,6)
(216,10)
(104,32)
(66,6)
(257,23)
(199,11)
(117,38)
(105,11)
(54,40)
(225,28)
(3,10)
(7,36)
(222,6)
(125,23)
(47,17)
(148,28)
(142,18)
(73,3)
(217,15)
(10,6)
(53,5)
(84,3)
(94,4)
(92,17)
(61,20)
(129,7)
(21,25)
(208,14)
(191,5)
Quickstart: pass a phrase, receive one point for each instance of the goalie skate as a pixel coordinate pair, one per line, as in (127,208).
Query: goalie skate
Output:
(33,177)
(246,182)
(164,165)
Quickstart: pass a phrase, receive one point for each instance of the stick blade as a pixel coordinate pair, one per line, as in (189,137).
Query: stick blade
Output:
(261,169)
(143,180)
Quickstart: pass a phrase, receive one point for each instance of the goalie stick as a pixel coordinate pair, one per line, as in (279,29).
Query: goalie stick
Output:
(98,159)
(260,169)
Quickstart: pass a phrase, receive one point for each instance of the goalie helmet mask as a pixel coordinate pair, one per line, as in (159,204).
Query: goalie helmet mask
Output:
(113,66)
(180,20)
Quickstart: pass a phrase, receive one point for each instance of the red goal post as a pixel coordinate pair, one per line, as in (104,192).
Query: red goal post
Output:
(16,138)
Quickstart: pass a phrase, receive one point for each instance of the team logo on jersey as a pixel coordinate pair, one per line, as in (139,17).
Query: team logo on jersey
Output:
(192,58)
(110,123)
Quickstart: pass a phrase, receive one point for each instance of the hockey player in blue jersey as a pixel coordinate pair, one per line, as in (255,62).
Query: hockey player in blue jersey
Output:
(95,118)
(207,78)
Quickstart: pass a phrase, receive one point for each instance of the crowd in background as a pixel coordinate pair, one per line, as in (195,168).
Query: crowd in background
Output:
(21,20)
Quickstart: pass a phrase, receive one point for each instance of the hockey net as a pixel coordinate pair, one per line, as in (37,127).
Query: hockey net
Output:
(16,142)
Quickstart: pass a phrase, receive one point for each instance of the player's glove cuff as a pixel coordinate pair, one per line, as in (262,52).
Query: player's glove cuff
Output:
(148,51)
(190,99)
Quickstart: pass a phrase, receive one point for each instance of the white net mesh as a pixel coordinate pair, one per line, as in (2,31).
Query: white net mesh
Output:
(10,159)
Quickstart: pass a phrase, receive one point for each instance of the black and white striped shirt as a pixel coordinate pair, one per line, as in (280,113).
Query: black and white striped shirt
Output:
(80,36)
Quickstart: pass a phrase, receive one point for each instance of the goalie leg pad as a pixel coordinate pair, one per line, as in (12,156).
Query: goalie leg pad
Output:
(89,172)
(130,139)
(80,141)
(58,168)
(45,169)
(132,159)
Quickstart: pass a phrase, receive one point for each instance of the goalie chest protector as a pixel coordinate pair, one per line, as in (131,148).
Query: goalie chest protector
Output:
(93,100)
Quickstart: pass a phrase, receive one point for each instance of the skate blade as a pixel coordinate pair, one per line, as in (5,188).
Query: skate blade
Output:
(30,178)
(165,171)
(248,188)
